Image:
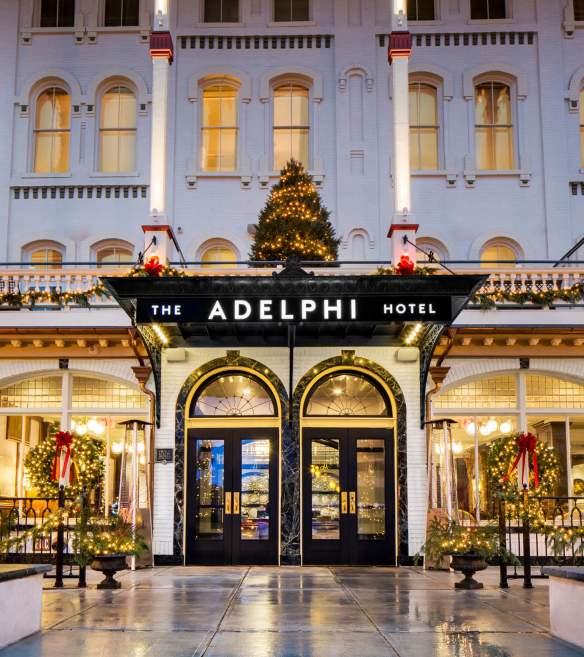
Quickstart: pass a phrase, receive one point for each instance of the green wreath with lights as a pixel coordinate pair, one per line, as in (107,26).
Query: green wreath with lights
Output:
(87,456)
(502,477)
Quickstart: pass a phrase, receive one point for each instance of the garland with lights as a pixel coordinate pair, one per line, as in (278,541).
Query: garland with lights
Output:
(294,222)
(153,268)
(87,464)
(544,298)
(53,295)
(503,483)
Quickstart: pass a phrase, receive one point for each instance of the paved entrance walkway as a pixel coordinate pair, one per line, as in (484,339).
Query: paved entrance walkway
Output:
(294,612)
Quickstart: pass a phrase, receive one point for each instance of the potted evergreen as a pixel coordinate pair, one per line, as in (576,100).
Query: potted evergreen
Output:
(470,548)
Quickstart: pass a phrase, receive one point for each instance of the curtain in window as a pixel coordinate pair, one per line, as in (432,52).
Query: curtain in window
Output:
(52,131)
(421,10)
(221,11)
(46,259)
(424,127)
(117,131)
(121,13)
(291,125)
(57,13)
(219,253)
(287,11)
(494,127)
(219,129)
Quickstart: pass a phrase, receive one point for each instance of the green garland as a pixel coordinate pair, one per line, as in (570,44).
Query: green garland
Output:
(544,298)
(500,458)
(87,463)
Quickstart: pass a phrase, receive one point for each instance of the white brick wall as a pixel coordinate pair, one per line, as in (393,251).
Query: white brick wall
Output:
(175,374)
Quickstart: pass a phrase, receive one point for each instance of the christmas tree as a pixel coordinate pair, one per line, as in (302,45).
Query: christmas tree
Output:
(294,223)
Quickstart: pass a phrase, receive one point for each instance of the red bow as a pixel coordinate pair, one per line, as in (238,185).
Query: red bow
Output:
(526,444)
(63,440)
(405,266)
(153,266)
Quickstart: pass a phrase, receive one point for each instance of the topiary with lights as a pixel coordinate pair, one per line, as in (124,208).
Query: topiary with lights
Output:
(294,223)
(87,457)
(544,472)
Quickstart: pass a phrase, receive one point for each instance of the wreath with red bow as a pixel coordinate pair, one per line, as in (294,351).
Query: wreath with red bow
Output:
(505,456)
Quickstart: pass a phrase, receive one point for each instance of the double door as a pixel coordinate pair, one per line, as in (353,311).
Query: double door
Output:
(232,510)
(349,496)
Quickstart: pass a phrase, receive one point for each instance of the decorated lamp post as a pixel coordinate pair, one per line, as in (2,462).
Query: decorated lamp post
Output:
(403,228)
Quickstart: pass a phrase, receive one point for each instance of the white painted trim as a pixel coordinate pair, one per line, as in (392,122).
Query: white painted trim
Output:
(143,96)
(27,89)
(314,77)
(496,70)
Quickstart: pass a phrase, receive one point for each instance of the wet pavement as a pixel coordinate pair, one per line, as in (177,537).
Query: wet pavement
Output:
(294,612)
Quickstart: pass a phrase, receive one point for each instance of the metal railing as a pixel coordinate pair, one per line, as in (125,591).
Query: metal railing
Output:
(19,515)
(529,541)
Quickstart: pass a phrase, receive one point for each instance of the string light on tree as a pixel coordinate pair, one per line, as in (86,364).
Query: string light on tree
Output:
(294,223)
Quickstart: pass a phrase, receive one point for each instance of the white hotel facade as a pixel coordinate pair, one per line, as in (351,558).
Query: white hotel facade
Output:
(177,115)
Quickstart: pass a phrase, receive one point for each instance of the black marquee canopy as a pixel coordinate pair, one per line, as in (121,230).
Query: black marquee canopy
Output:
(291,308)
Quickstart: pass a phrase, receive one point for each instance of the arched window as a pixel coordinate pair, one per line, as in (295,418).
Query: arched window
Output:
(218,251)
(421,10)
(46,258)
(112,252)
(121,13)
(582,124)
(424,126)
(52,131)
(431,250)
(219,128)
(289,11)
(494,133)
(117,130)
(233,394)
(291,124)
(57,13)
(499,253)
(347,394)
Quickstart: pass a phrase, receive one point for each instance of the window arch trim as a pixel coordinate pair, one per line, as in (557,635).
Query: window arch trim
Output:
(504,73)
(219,74)
(575,88)
(216,242)
(118,76)
(51,77)
(111,243)
(435,245)
(300,75)
(505,242)
(39,245)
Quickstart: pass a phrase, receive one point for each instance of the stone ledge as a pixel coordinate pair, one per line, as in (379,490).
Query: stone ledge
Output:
(566,572)
(15,571)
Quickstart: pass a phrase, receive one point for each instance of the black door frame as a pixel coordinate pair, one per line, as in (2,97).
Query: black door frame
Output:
(232,549)
(349,550)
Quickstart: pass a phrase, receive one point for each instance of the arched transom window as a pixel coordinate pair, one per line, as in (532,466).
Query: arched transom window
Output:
(233,394)
(494,140)
(52,131)
(347,394)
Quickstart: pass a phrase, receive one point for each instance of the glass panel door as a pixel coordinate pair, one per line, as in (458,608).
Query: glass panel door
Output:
(255,490)
(371,492)
(210,489)
(326,490)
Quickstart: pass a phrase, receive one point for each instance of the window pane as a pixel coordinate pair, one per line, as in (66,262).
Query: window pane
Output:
(282,147)
(577,455)
(479,9)
(325,484)
(579,10)
(230,11)
(210,149)
(463,449)
(498,254)
(484,148)
(127,113)
(414,150)
(210,489)
(282,10)
(130,12)
(428,148)
(413,104)
(126,150)
(483,105)
(300,10)
(233,395)
(503,148)
(89,392)
(219,254)
(212,12)
(66,13)
(49,10)
(497,9)
(421,10)
(43,258)
(42,158)
(114,255)
(60,155)
(299,106)
(494,392)
(502,105)
(550,392)
(33,393)
(282,108)
(428,114)
(347,395)
(299,143)
(255,490)
(62,113)
(370,490)
(552,431)
(113,13)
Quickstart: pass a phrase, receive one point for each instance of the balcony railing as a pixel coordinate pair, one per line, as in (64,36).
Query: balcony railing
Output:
(522,277)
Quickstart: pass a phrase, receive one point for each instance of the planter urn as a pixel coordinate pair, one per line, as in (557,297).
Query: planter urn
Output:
(109,565)
(468,565)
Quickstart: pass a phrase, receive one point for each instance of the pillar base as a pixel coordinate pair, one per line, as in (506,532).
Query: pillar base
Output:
(400,235)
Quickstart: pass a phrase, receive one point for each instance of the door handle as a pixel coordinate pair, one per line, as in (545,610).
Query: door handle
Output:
(227,504)
(352,502)
(236,503)
(344,502)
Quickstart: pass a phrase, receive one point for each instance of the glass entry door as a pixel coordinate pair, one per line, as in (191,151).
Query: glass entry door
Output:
(348,496)
(232,500)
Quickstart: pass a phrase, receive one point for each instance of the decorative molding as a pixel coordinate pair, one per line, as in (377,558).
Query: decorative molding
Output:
(257,42)
(26,193)
(494,69)
(46,75)
(442,75)
(400,45)
(454,39)
(575,89)
(161,46)
(143,96)
(294,70)
(355,70)
(212,73)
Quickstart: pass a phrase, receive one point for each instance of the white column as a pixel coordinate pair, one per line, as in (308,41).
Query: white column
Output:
(402,224)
